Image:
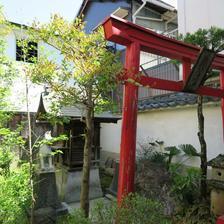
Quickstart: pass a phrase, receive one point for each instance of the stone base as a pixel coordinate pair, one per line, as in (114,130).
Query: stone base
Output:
(45,216)
(217,202)
(48,205)
(69,184)
(46,191)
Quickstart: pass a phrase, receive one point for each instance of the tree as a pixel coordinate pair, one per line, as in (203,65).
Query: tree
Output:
(213,39)
(86,74)
(14,191)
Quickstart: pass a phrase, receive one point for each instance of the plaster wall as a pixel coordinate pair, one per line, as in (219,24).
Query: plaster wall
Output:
(193,15)
(174,127)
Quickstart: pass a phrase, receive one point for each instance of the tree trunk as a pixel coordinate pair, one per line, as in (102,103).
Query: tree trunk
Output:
(84,198)
(30,154)
(203,156)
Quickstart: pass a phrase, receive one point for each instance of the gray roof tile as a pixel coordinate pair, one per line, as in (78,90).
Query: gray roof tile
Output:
(172,100)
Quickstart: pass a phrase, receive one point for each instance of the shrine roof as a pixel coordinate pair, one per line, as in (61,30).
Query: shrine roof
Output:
(217,162)
(172,100)
(74,112)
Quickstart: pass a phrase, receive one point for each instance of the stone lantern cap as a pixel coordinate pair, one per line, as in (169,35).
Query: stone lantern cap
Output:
(217,162)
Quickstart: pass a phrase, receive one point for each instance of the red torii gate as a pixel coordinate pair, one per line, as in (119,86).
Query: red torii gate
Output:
(137,39)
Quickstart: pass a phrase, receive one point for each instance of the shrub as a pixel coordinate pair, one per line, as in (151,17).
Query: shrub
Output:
(185,184)
(14,196)
(134,210)
(76,217)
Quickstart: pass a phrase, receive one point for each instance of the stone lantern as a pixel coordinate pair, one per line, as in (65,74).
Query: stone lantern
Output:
(46,159)
(217,184)
(47,205)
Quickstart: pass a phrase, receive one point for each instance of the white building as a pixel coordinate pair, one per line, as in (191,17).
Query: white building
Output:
(195,14)
(13,52)
(172,118)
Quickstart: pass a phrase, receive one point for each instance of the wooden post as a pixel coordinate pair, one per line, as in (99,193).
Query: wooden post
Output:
(222,99)
(186,69)
(129,123)
(220,220)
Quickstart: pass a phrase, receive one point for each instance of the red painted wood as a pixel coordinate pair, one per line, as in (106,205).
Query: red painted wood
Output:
(186,69)
(129,123)
(124,32)
(222,99)
(177,86)
(220,220)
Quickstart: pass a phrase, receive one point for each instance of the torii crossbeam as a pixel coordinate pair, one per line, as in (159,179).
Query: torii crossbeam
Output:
(137,39)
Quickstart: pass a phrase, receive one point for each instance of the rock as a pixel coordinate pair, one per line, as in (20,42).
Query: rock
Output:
(153,181)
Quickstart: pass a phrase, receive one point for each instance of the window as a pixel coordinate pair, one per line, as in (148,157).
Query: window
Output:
(28,55)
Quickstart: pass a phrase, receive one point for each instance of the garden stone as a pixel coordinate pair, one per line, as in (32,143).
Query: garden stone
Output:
(153,181)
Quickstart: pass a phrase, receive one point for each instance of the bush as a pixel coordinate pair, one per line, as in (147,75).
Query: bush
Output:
(185,184)
(77,217)
(14,196)
(134,210)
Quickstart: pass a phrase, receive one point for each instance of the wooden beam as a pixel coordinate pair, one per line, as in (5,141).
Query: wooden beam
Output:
(199,70)
(177,86)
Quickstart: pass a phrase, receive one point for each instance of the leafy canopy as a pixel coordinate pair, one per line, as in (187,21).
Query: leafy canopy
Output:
(212,38)
(86,63)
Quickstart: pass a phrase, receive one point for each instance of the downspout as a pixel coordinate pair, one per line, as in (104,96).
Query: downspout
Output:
(138,10)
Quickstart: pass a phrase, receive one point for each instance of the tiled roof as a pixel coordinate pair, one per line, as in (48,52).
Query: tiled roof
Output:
(172,100)
(75,111)
(217,162)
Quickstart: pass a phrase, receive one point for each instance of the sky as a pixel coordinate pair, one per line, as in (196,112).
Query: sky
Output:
(25,11)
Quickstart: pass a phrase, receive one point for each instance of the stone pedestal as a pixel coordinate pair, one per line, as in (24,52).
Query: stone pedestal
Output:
(217,185)
(217,202)
(48,205)
(69,184)
(114,184)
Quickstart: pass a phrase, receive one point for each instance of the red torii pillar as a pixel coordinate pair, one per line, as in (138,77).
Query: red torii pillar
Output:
(128,136)
(137,38)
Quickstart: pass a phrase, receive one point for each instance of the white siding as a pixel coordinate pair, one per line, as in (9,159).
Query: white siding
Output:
(195,14)
(174,127)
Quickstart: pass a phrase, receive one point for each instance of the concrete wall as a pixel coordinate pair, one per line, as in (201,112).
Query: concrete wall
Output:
(195,14)
(173,126)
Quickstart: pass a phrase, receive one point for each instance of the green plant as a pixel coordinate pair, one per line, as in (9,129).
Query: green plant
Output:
(14,196)
(76,217)
(147,151)
(185,183)
(189,150)
(198,213)
(135,209)
(171,151)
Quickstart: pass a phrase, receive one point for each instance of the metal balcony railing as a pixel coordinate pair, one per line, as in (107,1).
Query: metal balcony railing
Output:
(159,67)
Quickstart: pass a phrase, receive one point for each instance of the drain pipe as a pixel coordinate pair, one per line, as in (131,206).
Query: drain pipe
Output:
(138,10)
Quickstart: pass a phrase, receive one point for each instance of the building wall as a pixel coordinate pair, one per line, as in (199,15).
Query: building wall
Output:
(98,11)
(18,90)
(193,15)
(173,126)
(42,47)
